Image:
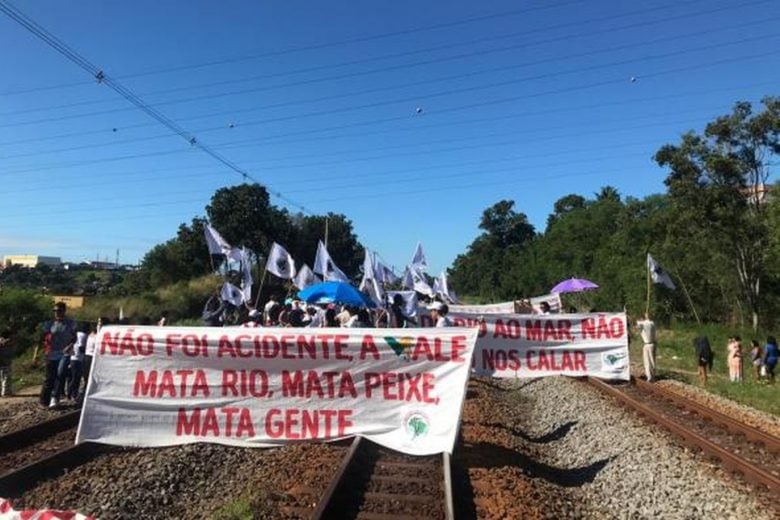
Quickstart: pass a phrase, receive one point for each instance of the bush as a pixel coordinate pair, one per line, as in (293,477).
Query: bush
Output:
(22,311)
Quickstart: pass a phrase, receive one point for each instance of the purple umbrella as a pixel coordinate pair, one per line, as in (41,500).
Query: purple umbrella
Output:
(574,285)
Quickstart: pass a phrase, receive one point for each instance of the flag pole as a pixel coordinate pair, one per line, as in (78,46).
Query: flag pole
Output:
(685,291)
(260,289)
(649,286)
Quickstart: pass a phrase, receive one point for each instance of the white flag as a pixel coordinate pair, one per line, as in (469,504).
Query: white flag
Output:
(657,273)
(232,294)
(246,275)
(448,294)
(410,301)
(415,279)
(217,244)
(418,260)
(305,278)
(369,284)
(280,262)
(384,274)
(323,265)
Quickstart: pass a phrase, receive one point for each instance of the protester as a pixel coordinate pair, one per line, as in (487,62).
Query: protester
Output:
(214,311)
(330,317)
(755,358)
(6,358)
(271,312)
(89,352)
(253,319)
(398,318)
(771,355)
(59,336)
(77,361)
(703,356)
(646,329)
(163,321)
(734,358)
(344,316)
(297,314)
(439,312)
(544,308)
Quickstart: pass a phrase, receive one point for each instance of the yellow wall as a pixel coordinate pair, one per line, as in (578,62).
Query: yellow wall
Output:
(73,302)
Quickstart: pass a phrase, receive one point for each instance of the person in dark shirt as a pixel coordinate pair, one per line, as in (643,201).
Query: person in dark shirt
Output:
(59,336)
(398,319)
(703,356)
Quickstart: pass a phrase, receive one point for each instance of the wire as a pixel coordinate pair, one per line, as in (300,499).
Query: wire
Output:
(16,15)
(470,43)
(454,109)
(427,62)
(447,78)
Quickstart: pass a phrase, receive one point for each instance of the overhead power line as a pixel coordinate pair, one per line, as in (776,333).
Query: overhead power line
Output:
(317,46)
(470,43)
(101,77)
(565,90)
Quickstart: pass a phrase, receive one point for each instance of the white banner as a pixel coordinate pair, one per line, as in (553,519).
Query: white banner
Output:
(522,345)
(490,308)
(553,300)
(162,386)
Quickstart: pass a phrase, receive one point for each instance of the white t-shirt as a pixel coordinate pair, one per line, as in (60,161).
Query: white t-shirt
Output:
(91,345)
(647,331)
(444,321)
(79,347)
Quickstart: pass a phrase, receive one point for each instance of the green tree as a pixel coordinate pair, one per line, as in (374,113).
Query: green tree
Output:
(716,180)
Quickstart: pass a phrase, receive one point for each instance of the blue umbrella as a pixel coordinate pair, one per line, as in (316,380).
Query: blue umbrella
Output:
(335,292)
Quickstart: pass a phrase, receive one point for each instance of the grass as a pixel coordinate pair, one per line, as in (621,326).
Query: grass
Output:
(675,360)
(238,509)
(25,372)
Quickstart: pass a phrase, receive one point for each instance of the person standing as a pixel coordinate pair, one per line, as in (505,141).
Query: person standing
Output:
(6,358)
(59,336)
(77,361)
(703,356)
(735,359)
(439,313)
(398,318)
(771,355)
(755,358)
(646,329)
(163,321)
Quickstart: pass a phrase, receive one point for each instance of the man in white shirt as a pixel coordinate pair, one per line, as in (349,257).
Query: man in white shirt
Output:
(439,312)
(646,329)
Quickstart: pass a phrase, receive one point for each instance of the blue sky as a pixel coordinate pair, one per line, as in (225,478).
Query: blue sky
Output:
(528,101)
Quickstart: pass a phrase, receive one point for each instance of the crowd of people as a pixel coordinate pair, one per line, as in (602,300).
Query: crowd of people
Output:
(762,360)
(291,312)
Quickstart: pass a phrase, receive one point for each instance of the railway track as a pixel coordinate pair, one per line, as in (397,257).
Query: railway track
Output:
(375,483)
(43,450)
(740,448)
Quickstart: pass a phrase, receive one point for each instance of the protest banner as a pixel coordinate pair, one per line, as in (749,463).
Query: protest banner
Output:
(523,345)
(162,386)
(490,308)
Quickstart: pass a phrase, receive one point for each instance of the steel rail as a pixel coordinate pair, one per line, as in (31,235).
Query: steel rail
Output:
(16,482)
(729,460)
(336,481)
(14,440)
(326,508)
(771,442)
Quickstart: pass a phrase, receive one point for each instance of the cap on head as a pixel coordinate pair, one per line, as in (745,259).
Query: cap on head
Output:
(435,306)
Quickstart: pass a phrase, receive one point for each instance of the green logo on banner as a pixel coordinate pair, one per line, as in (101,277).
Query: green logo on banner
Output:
(401,346)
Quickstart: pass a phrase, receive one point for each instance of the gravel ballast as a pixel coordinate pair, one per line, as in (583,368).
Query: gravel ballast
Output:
(634,469)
